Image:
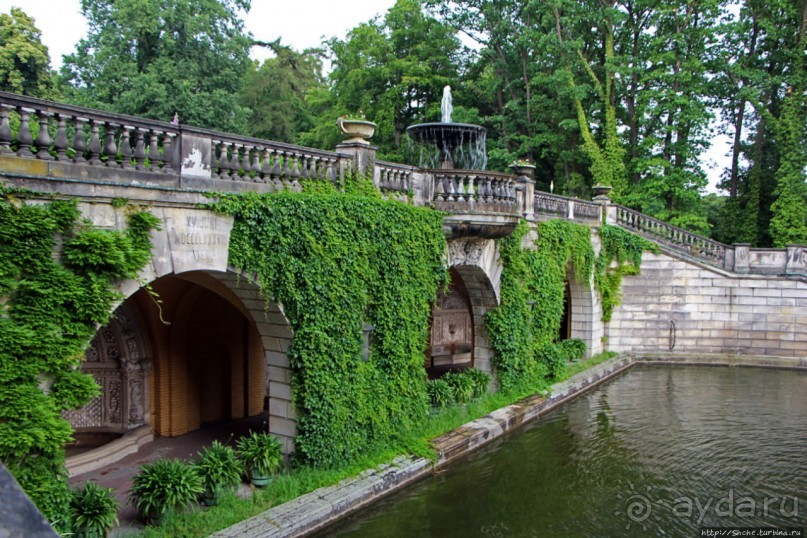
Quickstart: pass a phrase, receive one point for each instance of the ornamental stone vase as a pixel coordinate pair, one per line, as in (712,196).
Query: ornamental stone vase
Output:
(356,131)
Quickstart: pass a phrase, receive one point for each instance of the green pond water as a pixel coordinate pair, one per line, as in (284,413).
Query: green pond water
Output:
(658,451)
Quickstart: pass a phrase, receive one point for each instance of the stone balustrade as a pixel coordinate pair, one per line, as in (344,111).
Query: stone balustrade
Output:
(49,131)
(673,237)
(393,177)
(474,191)
(555,206)
(280,166)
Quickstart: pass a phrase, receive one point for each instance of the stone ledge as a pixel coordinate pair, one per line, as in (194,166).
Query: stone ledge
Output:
(316,510)
(109,453)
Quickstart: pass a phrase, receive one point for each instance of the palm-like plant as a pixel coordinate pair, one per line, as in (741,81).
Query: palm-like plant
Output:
(219,470)
(261,455)
(164,486)
(94,510)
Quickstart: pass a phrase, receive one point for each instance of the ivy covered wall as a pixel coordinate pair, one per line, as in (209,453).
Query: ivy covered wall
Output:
(56,286)
(337,261)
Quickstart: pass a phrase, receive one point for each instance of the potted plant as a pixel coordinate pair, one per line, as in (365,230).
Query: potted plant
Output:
(261,455)
(357,130)
(94,510)
(219,470)
(162,487)
(523,167)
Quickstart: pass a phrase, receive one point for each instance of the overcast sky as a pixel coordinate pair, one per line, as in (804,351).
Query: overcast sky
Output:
(299,23)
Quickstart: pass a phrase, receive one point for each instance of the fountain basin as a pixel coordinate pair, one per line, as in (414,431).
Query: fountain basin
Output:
(462,144)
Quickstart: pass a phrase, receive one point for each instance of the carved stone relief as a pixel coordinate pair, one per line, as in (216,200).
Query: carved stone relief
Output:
(452,330)
(465,251)
(116,359)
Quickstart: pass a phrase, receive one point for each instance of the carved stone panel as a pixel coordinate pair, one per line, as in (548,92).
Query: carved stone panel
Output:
(452,330)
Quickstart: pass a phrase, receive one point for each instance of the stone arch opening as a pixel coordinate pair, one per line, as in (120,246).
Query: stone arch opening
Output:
(580,305)
(451,338)
(213,350)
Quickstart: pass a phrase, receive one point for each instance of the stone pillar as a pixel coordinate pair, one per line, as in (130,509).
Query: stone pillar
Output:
(608,208)
(525,185)
(742,254)
(796,260)
(358,157)
(195,155)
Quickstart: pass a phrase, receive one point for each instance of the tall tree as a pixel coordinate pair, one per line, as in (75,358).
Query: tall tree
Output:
(155,58)
(24,60)
(392,71)
(276,93)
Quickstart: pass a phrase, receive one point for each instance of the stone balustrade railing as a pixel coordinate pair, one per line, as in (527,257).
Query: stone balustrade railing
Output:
(563,207)
(281,166)
(393,177)
(673,237)
(475,191)
(49,131)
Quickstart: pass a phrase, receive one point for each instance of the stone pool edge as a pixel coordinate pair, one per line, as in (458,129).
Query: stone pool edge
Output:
(318,509)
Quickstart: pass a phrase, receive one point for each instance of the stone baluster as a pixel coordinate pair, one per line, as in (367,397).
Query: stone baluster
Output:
(294,172)
(221,161)
(304,167)
(277,165)
(235,160)
(154,150)
(168,153)
(266,168)
(140,149)
(24,138)
(94,148)
(256,162)
(43,138)
(110,147)
(246,163)
(314,171)
(61,143)
(78,140)
(126,146)
(6,136)
(382,179)
(438,188)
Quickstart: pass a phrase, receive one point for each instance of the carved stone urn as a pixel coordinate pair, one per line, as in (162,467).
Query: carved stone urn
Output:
(356,131)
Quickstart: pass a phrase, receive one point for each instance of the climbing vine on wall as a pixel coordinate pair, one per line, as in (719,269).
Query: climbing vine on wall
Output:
(56,275)
(620,255)
(523,329)
(336,261)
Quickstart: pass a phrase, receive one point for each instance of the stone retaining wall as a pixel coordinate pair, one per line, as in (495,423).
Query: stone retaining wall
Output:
(680,306)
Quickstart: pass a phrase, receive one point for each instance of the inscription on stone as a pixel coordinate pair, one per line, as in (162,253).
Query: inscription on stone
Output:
(198,239)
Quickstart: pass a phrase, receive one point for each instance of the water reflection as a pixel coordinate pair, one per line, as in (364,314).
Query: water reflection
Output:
(658,451)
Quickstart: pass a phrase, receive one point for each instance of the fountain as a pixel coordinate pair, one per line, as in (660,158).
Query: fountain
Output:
(448,145)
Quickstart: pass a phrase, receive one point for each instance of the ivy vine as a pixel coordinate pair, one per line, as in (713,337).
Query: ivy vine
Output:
(525,326)
(336,261)
(56,276)
(620,255)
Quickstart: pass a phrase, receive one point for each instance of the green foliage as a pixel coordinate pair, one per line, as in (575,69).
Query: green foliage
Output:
(789,222)
(93,510)
(155,58)
(24,60)
(52,303)
(572,349)
(336,261)
(440,393)
(462,386)
(481,381)
(163,487)
(620,254)
(524,327)
(275,91)
(218,467)
(391,70)
(260,454)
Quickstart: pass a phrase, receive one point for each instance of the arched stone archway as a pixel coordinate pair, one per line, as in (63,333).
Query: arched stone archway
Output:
(216,350)
(584,323)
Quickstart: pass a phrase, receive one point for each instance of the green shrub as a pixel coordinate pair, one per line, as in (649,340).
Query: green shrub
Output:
(550,355)
(163,487)
(260,454)
(462,386)
(571,350)
(93,510)
(219,470)
(481,381)
(440,393)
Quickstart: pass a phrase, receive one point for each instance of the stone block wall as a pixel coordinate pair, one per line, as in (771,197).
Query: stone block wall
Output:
(697,309)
